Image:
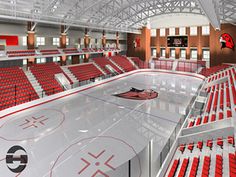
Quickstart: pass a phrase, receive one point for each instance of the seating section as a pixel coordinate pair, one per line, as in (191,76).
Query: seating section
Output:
(221,95)
(141,64)
(186,66)
(232,164)
(123,62)
(24,53)
(15,88)
(164,64)
(214,157)
(102,62)
(213,70)
(71,50)
(20,53)
(85,72)
(174,168)
(45,74)
(50,52)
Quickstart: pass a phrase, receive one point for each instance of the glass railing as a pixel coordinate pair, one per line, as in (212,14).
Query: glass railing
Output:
(16,96)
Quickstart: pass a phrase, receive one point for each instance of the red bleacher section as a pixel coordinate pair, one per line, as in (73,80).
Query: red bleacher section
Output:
(20,53)
(218,105)
(164,64)
(206,155)
(141,64)
(15,88)
(123,62)
(85,72)
(45,74)
(72,50)
(50,52)
(102,62)
(209,71)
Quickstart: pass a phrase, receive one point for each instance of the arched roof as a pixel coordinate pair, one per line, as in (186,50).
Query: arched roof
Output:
(114,15)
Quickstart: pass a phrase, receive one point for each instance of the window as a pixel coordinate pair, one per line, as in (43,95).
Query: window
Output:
(24,41)
(163,52)
(171,31)
(56,59)
(41,60)
(69,58)
(56,41)
(154,52)
(194,54)
(25,62)
(172,53)
(182,53)
(193,31)
(153,32)
(205,30)
(162,32)
(205,54)
(40,41)
(182,31)
(67,41)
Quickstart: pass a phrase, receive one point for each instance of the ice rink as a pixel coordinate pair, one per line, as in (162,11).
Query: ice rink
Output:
(92,132)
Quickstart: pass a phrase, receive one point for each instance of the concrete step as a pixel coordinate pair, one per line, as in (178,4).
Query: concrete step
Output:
(117,66)
(98,67)
(131,61)
(69,74)
(37,87)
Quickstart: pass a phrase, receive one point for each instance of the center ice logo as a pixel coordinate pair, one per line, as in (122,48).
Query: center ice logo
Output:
(15,162)
(137,94)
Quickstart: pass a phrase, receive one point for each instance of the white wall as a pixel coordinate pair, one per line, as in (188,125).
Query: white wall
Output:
(178,20)
(54,31)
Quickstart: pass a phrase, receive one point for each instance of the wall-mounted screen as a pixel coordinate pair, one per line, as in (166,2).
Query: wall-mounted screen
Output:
(177,41)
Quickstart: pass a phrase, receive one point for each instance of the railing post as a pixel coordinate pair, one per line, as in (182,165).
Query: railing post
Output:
(15,94)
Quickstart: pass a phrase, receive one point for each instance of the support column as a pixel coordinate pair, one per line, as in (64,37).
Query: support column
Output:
(63,37)
(158,46)
(30,41)
(104,41)
(188,48)
(117,40)
(199,48)
(146,43)
(31,35)
(86,39)
(177,49)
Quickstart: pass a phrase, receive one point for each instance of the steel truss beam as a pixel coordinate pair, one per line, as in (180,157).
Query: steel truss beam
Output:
(117,15)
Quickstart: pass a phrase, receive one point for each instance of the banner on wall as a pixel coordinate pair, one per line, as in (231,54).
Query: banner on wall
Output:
(226,41)
(137,42)
(10,40)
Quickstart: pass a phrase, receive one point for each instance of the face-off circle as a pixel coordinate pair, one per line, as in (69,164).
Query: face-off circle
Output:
(94,156)
(32,126)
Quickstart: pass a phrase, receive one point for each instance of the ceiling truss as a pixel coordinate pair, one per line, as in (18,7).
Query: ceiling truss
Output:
(113,15)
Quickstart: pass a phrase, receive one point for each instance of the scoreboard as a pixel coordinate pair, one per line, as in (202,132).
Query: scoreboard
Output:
(177,41)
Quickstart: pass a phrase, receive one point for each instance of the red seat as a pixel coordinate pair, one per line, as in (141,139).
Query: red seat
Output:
(209,144)
(182,148)
(220,142)
(231,140)
(229,113)
(191,146)
(200,145)
(191,124)
(174,168)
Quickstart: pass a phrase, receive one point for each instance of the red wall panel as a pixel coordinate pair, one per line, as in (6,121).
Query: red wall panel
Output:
(10,40)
